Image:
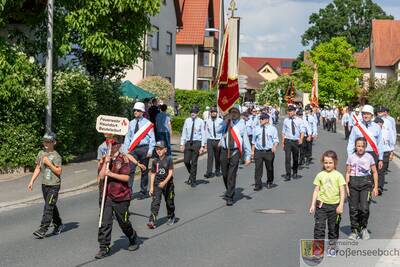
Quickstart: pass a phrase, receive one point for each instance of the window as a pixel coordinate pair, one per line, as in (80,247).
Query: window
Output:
(204,58)
(203,85)
(169,43)
(286,64)
(154,37)
(164,2)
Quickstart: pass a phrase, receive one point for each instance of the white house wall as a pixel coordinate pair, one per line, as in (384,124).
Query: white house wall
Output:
(186,67)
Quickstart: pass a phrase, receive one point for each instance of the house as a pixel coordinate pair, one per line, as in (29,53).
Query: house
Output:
(270,68)
(381,59)
(254,80)
(197,44)
(160,42)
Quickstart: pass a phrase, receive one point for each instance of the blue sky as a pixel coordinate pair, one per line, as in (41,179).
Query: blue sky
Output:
(273,28)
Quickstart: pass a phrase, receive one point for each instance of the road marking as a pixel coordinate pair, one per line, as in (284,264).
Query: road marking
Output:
(80,171)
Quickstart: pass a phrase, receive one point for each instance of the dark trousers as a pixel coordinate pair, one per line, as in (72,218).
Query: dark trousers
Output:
(346,130)
(291,151)
(140,154)
(166,137)
(328,124)
(305,150)
(324,123)
(169,195)
(264,157)
(333,125)
(50,211)
(360,192)
(381,172)
(386,156)
(190,158)
(323,215)
(121,213)
(213,153)
(229,167)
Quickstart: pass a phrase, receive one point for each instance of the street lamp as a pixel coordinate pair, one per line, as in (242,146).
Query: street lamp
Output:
(49,64)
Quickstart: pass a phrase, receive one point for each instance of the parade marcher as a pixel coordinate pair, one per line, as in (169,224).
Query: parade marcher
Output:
(117,201)
(213,136)
(357,115)
(373,134)
(139,142)
(329,119)
(164,127)
(153,110)
(335,116)
(391,134)
(49,168)
(312,133)
(307,136)
(193,141)
(359,186)
(323,116)
(388,140)
(328,199)
(234,144)
(292,137)
(265,143)
(346,123)
(161,177)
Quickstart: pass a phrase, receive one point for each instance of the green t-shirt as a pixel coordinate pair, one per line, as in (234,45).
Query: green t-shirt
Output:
(329,184)
(47,176)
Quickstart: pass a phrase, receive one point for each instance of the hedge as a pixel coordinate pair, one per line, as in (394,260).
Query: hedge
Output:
(177,124)
(189,98)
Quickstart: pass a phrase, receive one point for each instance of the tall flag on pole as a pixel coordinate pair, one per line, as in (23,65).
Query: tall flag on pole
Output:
(314,89)
(227,78)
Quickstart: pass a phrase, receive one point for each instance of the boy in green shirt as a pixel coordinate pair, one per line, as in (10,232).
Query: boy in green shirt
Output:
(328,199)
(48,167)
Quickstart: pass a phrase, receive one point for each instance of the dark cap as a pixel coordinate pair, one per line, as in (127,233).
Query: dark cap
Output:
(160,144)
(195,109)
(291,108)
(235,107)
(379,120)
(264,116)
(213,109)
(308,107)
(299,112)
(381,109)
(49,137)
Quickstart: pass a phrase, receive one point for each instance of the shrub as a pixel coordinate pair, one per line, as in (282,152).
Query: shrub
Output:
(189,98)
(387,95)
(177,124)
(159,86)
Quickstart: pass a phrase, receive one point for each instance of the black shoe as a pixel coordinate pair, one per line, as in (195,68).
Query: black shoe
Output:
(193,184)
(257,188)
(40,233)
(287,178)
(295,176)
(218,174)
(209,175)
(58,229)
(141,195)
(103,252)
(229,202)
(133,243)
(269,185)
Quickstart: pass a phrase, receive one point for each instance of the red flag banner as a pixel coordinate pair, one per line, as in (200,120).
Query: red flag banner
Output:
(228,86)
(314,89)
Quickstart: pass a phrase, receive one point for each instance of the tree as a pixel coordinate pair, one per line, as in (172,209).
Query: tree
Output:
(105,36)
(348,18)
(273,90)
(160,87)
(388,95)
(338,77)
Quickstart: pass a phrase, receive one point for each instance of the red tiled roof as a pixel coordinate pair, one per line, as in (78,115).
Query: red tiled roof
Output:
(258,63)
(195,13)
(254,79)
(362,59)
(386,41)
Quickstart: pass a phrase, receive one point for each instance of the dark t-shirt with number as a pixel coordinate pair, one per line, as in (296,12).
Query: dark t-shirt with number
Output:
(161,168)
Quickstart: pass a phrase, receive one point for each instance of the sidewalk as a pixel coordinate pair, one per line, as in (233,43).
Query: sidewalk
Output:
(76,176)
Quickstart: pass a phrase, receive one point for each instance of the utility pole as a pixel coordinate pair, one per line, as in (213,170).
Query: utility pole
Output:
(49,64)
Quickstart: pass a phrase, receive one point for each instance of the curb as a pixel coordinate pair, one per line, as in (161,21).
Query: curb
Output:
(62,192)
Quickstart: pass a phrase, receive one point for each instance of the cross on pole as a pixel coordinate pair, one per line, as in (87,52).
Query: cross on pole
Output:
(232,8)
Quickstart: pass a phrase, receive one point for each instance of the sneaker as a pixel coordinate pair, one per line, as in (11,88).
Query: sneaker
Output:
(151,225)
(364,234)
(229,202)
(103,252)
(257,188)
(58,229)
(287,178)
(40,233)
(171,221)
(133,243)
(353,236)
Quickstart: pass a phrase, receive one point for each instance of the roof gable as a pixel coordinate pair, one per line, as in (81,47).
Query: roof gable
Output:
(254,79)
(280,65)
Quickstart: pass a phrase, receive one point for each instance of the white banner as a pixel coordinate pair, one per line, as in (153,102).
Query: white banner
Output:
(112,125)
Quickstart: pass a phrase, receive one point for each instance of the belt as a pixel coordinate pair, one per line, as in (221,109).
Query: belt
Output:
(361,177)
(264,150)
(232,149)
(291,140)
(141,146)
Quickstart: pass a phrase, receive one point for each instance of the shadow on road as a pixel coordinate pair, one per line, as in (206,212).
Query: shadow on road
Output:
(239,195)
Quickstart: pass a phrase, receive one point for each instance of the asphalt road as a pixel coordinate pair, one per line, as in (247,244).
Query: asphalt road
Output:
(208,233)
